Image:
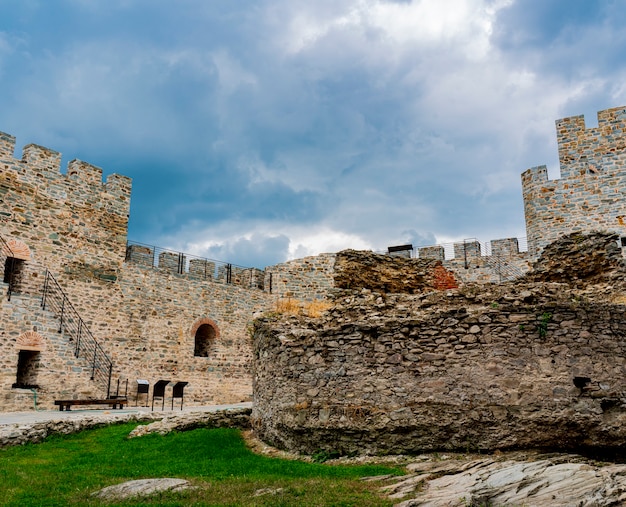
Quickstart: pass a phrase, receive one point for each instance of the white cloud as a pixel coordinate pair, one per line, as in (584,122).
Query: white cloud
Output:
(435,22)
(245,245)
(10,44)
(310,241)
(459,25)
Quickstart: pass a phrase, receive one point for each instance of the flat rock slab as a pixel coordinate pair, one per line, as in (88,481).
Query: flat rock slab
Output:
(539,483)
(141,487)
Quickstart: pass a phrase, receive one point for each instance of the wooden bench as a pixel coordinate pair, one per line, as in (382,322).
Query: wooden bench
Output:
(114,403)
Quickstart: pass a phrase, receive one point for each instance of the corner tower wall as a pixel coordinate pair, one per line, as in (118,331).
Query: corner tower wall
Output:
(71,217)
(590,193)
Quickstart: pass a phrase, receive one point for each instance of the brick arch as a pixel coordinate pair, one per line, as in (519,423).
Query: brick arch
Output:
(30,340)
(196,325)
(16,249)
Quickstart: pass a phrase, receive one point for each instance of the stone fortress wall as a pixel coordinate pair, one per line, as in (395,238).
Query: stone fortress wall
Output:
(314,277)
(146,308)
(503,261)
(64,218)
(590,192)
(150,309)
(303,279)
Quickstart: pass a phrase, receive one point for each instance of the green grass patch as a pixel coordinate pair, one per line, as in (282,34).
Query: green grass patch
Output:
(66,470)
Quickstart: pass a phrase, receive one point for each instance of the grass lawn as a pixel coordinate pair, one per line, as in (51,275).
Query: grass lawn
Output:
(66,470)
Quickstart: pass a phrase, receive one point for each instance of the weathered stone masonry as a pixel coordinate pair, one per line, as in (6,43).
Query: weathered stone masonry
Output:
(479,367)
(63,218)
(466,371)
(154,323)
(302,279)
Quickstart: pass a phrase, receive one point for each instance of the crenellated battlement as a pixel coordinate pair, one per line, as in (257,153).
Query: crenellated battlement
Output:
(535,175)
(119,185)
(77,170)
(589,194)
(41,166)
(585,150)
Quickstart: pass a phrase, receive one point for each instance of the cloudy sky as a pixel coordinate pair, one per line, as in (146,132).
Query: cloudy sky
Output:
(261,130)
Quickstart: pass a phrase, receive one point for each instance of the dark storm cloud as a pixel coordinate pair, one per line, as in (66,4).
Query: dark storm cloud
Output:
(261,130)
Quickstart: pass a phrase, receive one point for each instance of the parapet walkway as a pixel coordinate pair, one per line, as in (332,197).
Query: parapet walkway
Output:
(20,418)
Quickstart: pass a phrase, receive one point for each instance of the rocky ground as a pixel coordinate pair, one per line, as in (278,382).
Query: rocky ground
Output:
(515,479)
(530,480)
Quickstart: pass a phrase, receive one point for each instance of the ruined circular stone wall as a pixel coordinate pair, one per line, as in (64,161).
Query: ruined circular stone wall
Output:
(442,371)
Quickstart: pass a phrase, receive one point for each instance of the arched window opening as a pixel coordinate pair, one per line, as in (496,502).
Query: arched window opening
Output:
(8,269)
(204,340)
(13,268)
(16,253)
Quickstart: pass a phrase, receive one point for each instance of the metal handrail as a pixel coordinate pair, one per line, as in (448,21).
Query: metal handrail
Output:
(85,344)
(193,265)
(7,253)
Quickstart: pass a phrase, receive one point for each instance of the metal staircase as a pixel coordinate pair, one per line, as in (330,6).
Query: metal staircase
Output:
(83,343)
(71,323)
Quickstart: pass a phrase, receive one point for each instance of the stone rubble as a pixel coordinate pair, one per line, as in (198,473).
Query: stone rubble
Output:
(19,434)
(268,491)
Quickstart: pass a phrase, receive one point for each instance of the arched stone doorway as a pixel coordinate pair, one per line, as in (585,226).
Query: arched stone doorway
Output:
(205,333)
(29,346)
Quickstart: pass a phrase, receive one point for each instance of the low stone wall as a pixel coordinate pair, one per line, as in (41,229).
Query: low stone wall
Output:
(236,418)
(488,367)
(19,434)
